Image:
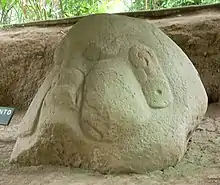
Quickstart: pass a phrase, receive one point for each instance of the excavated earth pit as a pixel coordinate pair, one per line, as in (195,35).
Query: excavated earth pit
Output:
(26,57)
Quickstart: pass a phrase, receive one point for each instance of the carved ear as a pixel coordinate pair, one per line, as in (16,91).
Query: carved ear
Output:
(149,73)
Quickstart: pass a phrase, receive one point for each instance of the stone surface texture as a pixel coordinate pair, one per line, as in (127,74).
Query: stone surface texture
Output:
(121,97)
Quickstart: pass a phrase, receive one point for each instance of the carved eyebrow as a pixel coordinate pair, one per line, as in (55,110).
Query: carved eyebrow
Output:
(142,56)
(111,47)
(92,52)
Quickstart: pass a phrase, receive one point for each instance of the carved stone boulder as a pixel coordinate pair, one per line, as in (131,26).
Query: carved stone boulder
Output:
(121,97)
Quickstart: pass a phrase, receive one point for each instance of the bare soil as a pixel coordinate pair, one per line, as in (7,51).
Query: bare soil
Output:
(26,56)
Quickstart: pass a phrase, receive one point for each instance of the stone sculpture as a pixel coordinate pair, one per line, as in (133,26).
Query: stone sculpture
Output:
(121,97)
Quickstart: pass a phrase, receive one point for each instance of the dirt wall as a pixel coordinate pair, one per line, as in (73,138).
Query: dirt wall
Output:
(201,42)
(26,55)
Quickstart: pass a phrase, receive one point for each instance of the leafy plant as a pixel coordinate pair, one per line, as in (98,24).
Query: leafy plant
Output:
(5,9)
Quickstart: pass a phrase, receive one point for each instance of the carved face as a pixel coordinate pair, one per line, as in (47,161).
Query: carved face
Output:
(120,93)
(121,96)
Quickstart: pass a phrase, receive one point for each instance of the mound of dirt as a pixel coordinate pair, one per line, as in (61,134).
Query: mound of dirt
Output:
(26,56)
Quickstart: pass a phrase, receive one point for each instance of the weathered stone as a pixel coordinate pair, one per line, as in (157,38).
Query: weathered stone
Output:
(121,97)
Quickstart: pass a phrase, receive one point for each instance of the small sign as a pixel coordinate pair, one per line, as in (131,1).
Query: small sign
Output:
(6,114)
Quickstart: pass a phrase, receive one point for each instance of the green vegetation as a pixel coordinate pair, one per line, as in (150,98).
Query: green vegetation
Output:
(20,11)
(158,4)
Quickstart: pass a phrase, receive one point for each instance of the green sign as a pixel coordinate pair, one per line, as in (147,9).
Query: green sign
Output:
(6,113)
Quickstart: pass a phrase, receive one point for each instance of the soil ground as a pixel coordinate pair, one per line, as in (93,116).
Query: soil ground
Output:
(200,165)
